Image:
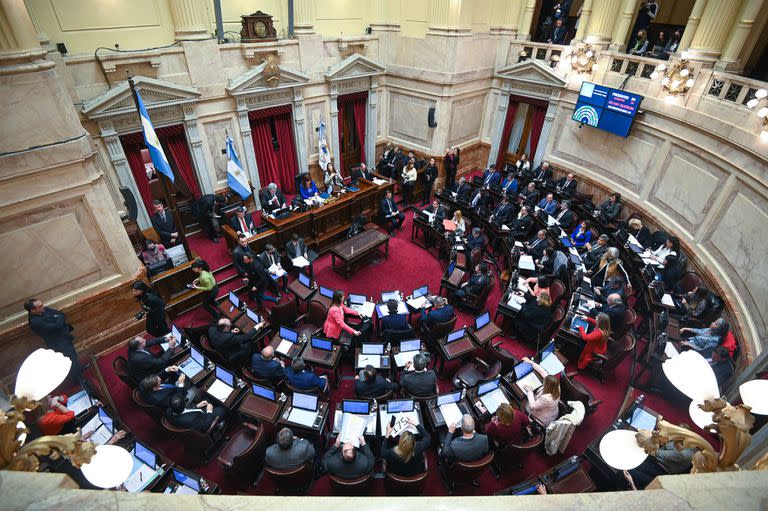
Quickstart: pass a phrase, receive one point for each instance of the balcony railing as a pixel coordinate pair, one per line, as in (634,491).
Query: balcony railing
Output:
(733,88)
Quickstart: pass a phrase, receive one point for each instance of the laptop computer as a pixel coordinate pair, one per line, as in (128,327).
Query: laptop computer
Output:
(252,316)
(408,349)
(79,402)
(357,406)
(193,365)
(390,295)
(235,301)
(288,338)
(447,403)
(577,322)
(145,469)
(421,291)
(372,349)
(525,375)
(357,299)
(102,427)
(304,409)
(400,406)
(305,280)
(482,320)
(325,345)
(145,455)
(455,335)
(641,419)
(491,395)
(324,291)
(193,483)
(223,385)
(262,391)
(546,350)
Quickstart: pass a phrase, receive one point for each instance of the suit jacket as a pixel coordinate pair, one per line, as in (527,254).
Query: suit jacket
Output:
(465,449)
(143,363)
(615,313)
(510,187)
(537,247)
(258,276)
(52,326)
(430,174)
(268,260)
(594,255)
(503,212)
(476,283)
(521,226)
(567,189)
(491,178)
(162,397)
(266,369)
(362,174)
(462,190)
(199,421)
(542,174)
(300,452)
(474,242)
(440,214)
(336,465)
(379,386)
(293,251)
(532,319)
(643,235)
(558,34)
(265,197)
(531,196)
(567,219)
(164,227)
(610,211)
(440,315)
(234,223)
(226,343)
(395,322)
(549,208)
(388,207)
(479,200)
(419,384)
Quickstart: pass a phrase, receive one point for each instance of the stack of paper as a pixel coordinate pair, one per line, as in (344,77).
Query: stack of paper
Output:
(531,379)
(431,216)
(404,357)
(300,262)
(402,424)
(352,427)
(667,300)
(140,478)
(551,220)
(303,417)
(364,360)
(493,400)
(378,181)
(670,351)
(220,390)
(284,347)
(365,309)
(100,434)
(183,489)
(515,301)
(451,413)
(552,365)
(526,263)
(504,227)
(276,271)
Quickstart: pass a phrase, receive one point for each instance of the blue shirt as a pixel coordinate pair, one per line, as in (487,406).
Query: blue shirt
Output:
(437,315)
(267,369)
(510,187)
(581,239)
(304,380)
(306,193)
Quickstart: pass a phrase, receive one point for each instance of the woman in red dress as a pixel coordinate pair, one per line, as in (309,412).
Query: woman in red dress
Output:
(597,339)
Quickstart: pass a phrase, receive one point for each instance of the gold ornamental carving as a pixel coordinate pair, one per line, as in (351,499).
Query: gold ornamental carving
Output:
(271,71)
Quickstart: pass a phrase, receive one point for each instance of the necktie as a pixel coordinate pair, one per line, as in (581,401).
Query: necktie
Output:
(162,215)
(243,225)
(474,201)
(561,214)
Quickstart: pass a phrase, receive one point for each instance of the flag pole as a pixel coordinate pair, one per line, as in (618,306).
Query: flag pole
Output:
(163,181)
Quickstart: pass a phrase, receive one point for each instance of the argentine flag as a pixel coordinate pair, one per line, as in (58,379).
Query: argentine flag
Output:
(324,155)
(159,159)
(236,178)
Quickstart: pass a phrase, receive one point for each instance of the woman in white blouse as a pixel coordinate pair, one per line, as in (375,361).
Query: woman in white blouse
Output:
(332,179)
(461,226)
(669,247)
(409,180)
(523,165)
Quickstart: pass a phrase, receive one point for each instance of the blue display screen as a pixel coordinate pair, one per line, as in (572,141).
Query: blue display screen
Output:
(605,108)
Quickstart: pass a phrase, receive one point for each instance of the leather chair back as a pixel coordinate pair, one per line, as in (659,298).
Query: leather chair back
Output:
(507,358)
(383,398)
(284,313)
(406,485)
(244,451)
(197,443)
(150,409)
(508,454)
(393,336)
(572,390)
(477,302)
(211,353)
(316,313)
(358,486)
(690,281)
(250,377)
(475,257)
(439,330)
(120,367)
(617,352)
(294,481)
(460,472)
(556,291)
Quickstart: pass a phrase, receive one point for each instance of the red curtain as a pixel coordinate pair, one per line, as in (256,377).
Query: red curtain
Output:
(358,111)
(266,157)
(508,123)
(537,121)
(177,147)
(286,153)
(136,163)
(270,112)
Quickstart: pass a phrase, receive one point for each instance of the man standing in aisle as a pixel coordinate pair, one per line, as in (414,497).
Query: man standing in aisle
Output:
(52,326)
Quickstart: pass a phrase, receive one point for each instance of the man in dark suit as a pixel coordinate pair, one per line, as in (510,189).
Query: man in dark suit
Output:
(491,177)
(567,186)
(596,251)
(271,258)
(521,225)
(430,175)
(548,204)
(362,173)
(297,248)
(475,239)
(229,342)
(385,163)
(462,189)
(143,363)
(438,210)
(258,278)
(289,451)
(479,198)
(510,185)
(348,462)
(470,446)
(503,212)
(392,216)
(162,222)
(197,417)
(52,326)
(543,172)
(721,365)
(242,249)
(614,308)
(419,382)
(559,33)
(476,283)
(272,199)
(372,384)
(535,247)
(207,211)
(241,222)
(566,218)
(157,393)
(394,321)
(530,194)
(440,313)
(451,163)
(264,365)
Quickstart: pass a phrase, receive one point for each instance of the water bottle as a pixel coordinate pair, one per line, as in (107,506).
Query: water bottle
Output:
(352,250)
(463,392)
(204,485)
(375,405)
(303,338)
(389,347)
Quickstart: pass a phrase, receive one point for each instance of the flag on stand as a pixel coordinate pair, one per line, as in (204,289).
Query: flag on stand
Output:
(322,147)
(236,178)
(159,160)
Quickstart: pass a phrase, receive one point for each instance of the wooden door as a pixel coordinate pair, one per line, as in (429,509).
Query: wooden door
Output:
(350,144)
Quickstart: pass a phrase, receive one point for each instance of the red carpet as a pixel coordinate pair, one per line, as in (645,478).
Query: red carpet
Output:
(407,267)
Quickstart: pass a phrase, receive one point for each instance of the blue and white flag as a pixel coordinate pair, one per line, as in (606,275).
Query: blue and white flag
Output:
(236,178)
(324,155)
(159,160)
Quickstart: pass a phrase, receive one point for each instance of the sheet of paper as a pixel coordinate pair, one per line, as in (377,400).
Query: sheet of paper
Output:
(431,216)
(365,309)
(220,390)
(519,244)
(552,365)
(667,300)
(493,400)
(551,220)
(276,271)
(183,489)
(364,360)
(300,262)
(383,311)
(417,303)
(522,284)
(526,263)
(404,357)
(141,478)
(531,379)
(504,227)
(633,240)
(451,413)
(352,427)
(378,181)
(191,369)
(515,301)
(401,423)
(284,347)
(303,417)
(670,351)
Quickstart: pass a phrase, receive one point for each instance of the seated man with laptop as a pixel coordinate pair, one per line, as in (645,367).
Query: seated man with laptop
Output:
(346,461)
(159,394)
(264,365)
(371,384)
(301,378)
(417,380)
(393,321)
(441,312)
(200,416)
(289,451)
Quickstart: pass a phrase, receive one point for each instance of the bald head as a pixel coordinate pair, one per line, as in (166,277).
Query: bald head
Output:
(613,299)
(467,424)
(224,323)
(268,352)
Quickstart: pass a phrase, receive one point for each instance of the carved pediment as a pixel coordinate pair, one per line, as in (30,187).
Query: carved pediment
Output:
(156,94)
(354,66)
(533,72)
(256,80)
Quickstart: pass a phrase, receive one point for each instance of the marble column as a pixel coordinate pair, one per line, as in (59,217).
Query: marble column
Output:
(333,126)
(710,36)
(300,132)
(192,132)
(546,129)
(384,18)
(451,18)
(602,21)
(621,30)
(693,22)
(525,20)
(498,123)
(505,16)
(730,60)
(45,41)
(371,123)
(303,17)
(190,19)
(124,174)
(586,14)
(249,153)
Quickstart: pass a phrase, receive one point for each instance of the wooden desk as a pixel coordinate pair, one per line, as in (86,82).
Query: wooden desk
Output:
(233,397)
(261,409)
(292,353)
(202,375)
(486,334)
(337,421)
(385,364)
(230,311)
(172,287)
(358,248)
(318,357)
(478,409)
(510,382)
(453,350)
(316,429)
(168,482)
(435,416)
(302,292)
(257,242)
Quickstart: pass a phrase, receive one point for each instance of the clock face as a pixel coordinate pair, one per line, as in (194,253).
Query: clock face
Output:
(260,28)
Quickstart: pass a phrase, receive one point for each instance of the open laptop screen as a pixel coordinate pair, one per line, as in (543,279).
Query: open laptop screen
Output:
(453,397)
(373,349)
(197,356)
(400,405)
(305,280)
(453,336)
(234,299)
(187,481)
(422,291)
(145,455)
(488,387)
(390,295)
(482,320)
(353,406)
(357,299)
(322,344)
(288,334)
(225,376)
(522,369)
(410,345)
(324,291)
(264,392)
(305,401)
